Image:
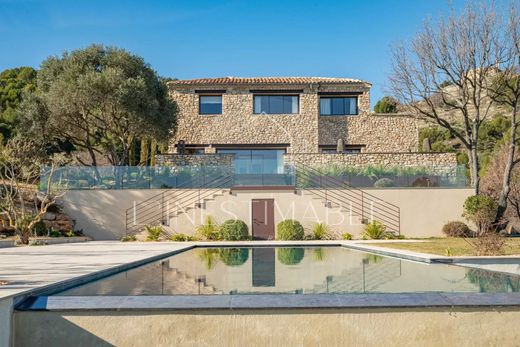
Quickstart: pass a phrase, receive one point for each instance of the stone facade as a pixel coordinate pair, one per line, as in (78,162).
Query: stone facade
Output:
(224,160)
(302,132)
(438,163)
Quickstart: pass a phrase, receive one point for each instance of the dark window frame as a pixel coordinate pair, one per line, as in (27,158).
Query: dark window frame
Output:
(332,114)
(282,95)
(211,113)
(348,149)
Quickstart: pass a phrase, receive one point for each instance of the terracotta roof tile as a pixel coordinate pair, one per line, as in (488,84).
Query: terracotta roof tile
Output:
(264,80)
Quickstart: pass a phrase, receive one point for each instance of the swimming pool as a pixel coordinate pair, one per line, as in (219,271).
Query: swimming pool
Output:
(292,270)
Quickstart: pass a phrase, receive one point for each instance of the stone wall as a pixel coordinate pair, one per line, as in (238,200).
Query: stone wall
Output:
(438,162)
(194,160)
(303,132)
(379,133)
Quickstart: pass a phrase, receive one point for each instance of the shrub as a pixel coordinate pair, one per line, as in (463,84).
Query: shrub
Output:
(480,209)
(386,104)
(209,256)
(154,232)
(290,256)
(233,256)
(489,243)
(208,230)
(55,233)
(289,229)
(233,230)
(128,238)
(180,237)
(456,229)
(384,183)
(321,231)
(346,236)
(375,230)
(40,229)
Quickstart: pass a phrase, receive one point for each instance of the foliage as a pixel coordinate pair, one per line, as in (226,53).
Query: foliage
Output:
(153,232)
(386,104)
(457,229)
(290,256)
(180,237)
(40,229)
(21,202)
(372,258)
(481,210)
(375,230)
(209,256)
(55,233)
(384,183)
(233,256)
(440,139)
(233,230)
(493,282)
(319,254)
(346,236)
(100,99)
(14,84)
(488,243)
(209,230)
(129,238)
(289,229)
(321,231)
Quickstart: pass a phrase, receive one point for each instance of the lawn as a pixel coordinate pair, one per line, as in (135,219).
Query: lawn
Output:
(449,246)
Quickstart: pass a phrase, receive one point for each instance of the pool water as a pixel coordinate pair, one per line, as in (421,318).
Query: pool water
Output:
(297,270)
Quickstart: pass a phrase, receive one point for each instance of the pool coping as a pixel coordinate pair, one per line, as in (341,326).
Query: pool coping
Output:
(268,301)
(41,298)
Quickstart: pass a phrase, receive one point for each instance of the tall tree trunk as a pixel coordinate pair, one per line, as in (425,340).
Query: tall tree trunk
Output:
(153,151)
(144,151)
(94,164)
(508,171)
(474,168)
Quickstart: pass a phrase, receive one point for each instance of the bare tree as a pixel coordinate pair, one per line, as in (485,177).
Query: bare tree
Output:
(505,90)
(22,203)
(445,71)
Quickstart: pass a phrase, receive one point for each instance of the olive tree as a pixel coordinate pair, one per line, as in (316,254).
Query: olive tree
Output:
(22,202)
(101,100)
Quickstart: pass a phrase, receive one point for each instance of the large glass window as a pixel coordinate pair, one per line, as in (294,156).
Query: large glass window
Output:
(257,161)
(338,106)
(210,104)
(276,104)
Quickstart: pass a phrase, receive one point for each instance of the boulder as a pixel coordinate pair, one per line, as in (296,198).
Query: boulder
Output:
(49,216)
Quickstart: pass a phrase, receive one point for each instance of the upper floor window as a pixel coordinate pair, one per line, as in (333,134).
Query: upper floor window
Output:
(210,104)
(276,104)
(338,106)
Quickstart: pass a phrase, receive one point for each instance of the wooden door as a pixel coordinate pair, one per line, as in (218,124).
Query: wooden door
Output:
(263,219)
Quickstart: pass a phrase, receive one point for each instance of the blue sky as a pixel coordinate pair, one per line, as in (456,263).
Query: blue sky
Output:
(190,39)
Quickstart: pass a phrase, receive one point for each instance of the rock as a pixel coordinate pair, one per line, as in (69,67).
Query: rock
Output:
(62,216)
(49,216)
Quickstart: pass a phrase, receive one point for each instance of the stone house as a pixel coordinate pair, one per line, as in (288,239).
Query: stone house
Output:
(261,120)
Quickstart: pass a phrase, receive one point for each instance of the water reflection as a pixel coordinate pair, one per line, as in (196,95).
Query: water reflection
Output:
(312,270)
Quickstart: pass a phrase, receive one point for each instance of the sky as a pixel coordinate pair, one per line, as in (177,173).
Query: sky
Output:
(193,39)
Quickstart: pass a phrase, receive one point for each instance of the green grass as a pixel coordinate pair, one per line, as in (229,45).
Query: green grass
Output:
(448,246)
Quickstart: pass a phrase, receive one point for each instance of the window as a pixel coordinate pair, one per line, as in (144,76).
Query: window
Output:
(257,161)
(210,104)
(276,104)
(347,149)
(338,106)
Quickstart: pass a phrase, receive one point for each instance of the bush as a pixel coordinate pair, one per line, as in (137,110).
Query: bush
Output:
(289,229)
(154,232)
(481,210)
(375,230)
(290,256)
(40,229)
(208,230)
(180,237)
(55,233)
(457,229)
(128,238)
(386,104)
(233,230)
(489,243)
(321,231)
(346,236)
(384,183)
(234,256)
